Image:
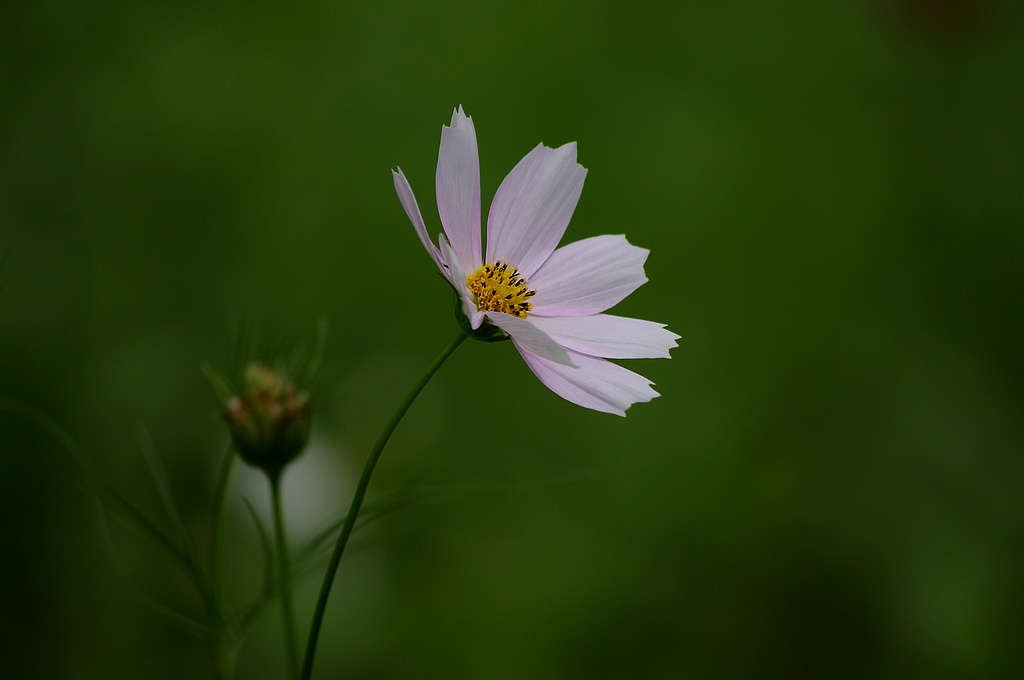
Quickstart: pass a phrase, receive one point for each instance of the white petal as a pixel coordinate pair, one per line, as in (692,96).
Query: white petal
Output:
(588,276)
(593,383)
(408,200)
(458,189)
(458,279)
(611,337)
(532,207)
(529,338)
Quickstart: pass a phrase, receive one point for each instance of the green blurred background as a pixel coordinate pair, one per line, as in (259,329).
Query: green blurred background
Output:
(831,483)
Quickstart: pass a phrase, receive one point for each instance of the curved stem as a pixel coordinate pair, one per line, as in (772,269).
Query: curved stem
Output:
(285,579)
(357,502)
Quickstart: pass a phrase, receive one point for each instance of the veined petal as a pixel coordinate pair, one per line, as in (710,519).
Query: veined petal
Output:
(532,207)
(608,336)
(408,200)
(529,338)
(458,279)
(458,189)
(593,383)
(588,276)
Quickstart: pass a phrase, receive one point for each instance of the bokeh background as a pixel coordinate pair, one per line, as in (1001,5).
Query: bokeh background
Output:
(831,483)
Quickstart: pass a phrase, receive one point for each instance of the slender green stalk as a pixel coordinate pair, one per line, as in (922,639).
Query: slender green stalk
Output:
(357,502)
(220,501)
(284,579)
(223,655)
(225,642)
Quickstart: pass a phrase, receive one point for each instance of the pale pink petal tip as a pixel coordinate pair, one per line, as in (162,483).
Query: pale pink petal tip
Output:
(412,211)
(457,184)
(589,276)
(458,115)
(608,336)
(533,206)
(592,383)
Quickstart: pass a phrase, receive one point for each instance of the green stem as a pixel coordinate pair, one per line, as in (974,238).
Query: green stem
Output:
(285,582)
(223,656)
(220,501)
(225,643)
(357,502)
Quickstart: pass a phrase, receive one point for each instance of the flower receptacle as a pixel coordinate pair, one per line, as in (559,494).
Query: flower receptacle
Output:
(487,332)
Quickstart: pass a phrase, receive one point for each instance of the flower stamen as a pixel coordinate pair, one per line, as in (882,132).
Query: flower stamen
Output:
(499,287)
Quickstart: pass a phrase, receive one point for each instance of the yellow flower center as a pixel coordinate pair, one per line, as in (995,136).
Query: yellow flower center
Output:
(498,287)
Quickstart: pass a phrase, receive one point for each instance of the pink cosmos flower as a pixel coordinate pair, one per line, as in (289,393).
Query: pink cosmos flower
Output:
(549,301)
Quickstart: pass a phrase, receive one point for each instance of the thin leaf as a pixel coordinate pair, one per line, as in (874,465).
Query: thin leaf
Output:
(98,484)
(181,621)
(435,493)
(308,375)
(220,383)
(322,538)
(249,613)
(224,480)
(163,487)
(376,509)
(268,548)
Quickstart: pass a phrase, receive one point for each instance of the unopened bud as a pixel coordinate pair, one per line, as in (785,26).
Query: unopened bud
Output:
(269,420)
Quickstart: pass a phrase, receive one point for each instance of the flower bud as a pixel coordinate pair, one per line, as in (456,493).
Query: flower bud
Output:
(269,420)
